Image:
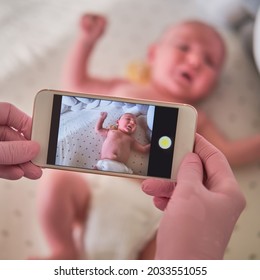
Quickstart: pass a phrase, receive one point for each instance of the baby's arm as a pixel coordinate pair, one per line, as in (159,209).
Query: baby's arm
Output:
(76,76)
(238,152)
(99,125)
(141,148)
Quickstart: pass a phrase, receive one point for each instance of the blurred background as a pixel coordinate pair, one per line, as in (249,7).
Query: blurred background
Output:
(35,36)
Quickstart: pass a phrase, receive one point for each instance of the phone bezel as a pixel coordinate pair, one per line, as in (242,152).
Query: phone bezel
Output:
(42,115)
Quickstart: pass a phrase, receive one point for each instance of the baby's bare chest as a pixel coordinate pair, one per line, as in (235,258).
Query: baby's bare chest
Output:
(117,137)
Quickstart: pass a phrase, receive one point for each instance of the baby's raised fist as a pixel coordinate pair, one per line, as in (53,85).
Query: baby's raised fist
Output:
(103,115)
(93,26)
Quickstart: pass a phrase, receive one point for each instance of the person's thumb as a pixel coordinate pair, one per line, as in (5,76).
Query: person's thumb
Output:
(191,169)
(17,152)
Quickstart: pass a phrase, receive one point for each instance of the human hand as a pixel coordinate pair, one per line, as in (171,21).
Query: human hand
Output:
(16,150)
(92,26)
(201,210)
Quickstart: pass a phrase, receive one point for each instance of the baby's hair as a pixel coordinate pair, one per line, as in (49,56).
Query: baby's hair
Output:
(203,24)
(210,27)
(126,113)
(115,126)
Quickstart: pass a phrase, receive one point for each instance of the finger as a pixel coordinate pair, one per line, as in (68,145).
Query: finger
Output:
(160,202)
(9,134)
(11,172)
(16,152)
(158,187)
(190,170)
(215,163)
(31,171)
(12,116)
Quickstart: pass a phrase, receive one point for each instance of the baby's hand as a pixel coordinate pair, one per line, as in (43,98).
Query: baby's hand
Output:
(103,115)
(92,26)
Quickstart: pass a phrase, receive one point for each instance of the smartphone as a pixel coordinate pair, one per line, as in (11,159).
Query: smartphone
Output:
(65,125)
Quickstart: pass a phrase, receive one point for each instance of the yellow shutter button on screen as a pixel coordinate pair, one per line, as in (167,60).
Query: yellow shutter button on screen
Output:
(165,142)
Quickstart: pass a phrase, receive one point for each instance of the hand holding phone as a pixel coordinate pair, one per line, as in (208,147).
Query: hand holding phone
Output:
(209,207)
(137,138)
(16,150)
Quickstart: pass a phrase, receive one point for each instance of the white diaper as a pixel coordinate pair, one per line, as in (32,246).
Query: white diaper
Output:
(113,166)
(121,218)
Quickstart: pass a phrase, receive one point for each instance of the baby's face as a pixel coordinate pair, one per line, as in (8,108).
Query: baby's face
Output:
(127,123)
(186,63)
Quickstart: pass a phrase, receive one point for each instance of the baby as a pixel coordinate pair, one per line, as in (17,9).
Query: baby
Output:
(185,65)
(118,144)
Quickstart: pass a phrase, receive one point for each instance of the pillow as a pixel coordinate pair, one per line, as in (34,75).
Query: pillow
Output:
(69,100)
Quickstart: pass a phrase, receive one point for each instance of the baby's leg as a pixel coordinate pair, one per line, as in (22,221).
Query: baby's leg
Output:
(63,202)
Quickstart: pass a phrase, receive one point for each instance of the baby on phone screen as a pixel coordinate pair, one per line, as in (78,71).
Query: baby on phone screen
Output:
(118,143)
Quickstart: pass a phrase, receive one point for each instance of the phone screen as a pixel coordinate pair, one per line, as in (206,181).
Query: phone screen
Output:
(76,143)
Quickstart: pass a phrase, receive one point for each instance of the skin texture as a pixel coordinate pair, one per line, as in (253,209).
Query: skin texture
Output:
(16,150)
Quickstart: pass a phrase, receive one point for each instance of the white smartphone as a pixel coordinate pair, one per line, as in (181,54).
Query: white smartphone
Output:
(65,125)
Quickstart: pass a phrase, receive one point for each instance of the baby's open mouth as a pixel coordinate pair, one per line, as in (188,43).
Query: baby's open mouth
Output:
(186,76)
